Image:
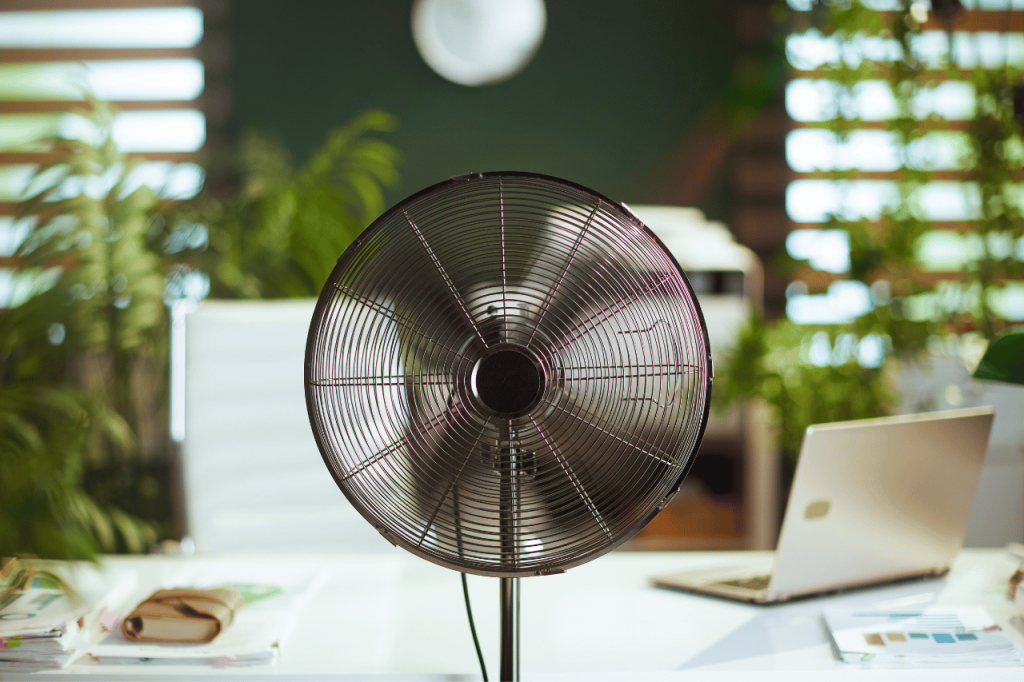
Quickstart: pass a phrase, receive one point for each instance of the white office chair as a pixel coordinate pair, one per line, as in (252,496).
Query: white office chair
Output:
(253,477)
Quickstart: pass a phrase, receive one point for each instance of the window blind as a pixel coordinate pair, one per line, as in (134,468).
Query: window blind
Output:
(142,57)
(847,163)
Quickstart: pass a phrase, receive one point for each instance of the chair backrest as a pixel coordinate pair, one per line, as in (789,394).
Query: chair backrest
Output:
(253,477)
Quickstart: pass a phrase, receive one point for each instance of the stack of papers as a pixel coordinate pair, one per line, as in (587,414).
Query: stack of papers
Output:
(273,602)
(38,630)
(43,629)
(964,637)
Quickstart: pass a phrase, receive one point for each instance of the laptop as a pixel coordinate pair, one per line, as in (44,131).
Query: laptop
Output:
(873,501)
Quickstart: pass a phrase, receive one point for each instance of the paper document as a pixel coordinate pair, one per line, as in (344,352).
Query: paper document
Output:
(932,637)
(44,629)
(273,602)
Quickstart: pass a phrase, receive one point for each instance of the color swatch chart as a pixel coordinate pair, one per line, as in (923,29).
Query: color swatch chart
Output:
(962,636)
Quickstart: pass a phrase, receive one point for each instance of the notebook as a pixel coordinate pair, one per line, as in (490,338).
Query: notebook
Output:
(873,501)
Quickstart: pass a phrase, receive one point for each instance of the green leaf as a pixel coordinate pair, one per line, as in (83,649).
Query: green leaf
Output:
(1003,360)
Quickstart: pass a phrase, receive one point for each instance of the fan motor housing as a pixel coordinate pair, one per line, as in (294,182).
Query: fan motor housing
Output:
(508,381)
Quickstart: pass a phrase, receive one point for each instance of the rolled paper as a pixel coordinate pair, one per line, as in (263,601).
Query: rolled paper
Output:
(183,616)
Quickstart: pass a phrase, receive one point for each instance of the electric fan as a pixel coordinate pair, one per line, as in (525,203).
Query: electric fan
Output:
(508,374)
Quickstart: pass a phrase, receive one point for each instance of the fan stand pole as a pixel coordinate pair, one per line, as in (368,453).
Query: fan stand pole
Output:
(509,630)
(509,522)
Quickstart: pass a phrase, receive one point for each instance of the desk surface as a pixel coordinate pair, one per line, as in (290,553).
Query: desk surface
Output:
(393,615)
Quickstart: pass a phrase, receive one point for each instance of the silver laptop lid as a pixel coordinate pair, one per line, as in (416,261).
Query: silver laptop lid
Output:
(880,499)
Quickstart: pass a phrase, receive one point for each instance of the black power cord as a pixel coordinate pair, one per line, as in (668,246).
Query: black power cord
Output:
(472,626)
(465,584)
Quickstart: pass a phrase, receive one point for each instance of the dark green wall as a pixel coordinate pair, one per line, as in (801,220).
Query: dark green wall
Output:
(607,101)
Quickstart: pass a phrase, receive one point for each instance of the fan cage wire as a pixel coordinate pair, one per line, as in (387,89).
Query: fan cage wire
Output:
(565,277)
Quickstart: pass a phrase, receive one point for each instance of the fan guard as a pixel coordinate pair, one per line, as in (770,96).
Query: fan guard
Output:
(508,374)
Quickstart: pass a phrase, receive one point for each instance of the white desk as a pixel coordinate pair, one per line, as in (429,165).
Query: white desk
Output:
(394,616)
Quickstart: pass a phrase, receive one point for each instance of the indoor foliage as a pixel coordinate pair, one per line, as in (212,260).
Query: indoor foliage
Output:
(84,452)
(87,331)
(280,233)
(811,374)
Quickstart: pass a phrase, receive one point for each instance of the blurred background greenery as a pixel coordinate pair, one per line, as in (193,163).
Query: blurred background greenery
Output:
(313,117)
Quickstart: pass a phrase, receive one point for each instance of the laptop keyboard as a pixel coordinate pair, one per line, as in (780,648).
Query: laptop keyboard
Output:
(754,583)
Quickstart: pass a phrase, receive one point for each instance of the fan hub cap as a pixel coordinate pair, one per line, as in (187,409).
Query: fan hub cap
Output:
(508,381)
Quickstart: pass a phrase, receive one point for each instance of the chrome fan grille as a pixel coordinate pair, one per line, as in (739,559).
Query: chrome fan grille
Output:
(507,374)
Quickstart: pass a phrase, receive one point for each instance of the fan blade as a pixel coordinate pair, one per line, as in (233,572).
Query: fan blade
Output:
(604,454)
